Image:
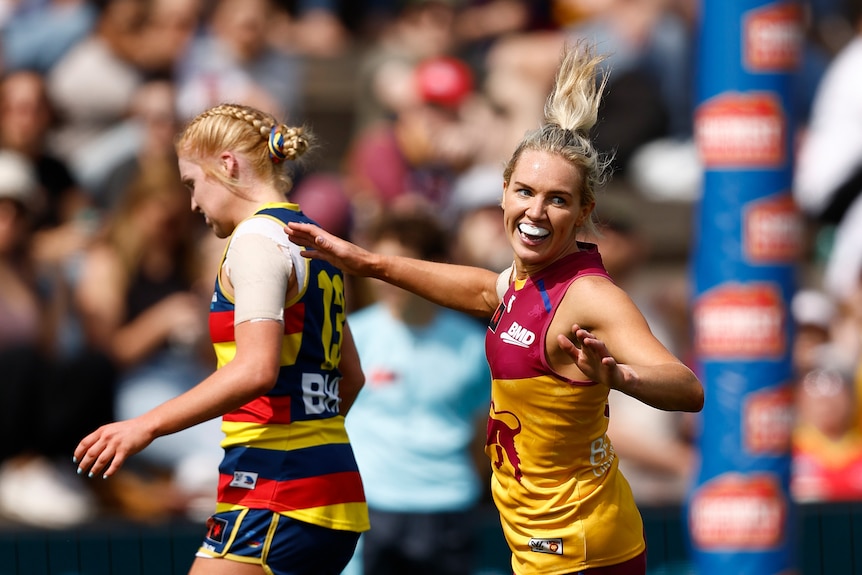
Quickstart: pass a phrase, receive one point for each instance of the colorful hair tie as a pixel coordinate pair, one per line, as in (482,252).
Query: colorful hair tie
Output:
(276,145)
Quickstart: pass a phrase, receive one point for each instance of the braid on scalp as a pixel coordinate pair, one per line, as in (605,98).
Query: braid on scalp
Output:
(571,110)
(264,141)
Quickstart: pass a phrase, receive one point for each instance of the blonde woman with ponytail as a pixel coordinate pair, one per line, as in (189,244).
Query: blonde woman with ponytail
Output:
(290,499)
(560,336)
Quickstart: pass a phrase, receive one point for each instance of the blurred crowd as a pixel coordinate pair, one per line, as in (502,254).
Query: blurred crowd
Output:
(106,275)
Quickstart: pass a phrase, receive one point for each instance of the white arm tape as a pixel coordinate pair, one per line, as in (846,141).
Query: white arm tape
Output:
(260,271)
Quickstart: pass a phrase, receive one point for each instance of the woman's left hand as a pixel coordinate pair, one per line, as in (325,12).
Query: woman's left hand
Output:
(592,357)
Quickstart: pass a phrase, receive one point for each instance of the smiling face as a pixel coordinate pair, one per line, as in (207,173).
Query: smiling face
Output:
(209,197)
(542,210)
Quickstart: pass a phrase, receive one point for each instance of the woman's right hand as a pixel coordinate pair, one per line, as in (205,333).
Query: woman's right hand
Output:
(322,245)
(105,450)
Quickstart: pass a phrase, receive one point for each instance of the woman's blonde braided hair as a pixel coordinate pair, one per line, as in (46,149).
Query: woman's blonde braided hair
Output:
(264,141)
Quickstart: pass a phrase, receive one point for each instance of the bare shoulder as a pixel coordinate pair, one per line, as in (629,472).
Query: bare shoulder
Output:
(599,305)
(590,295)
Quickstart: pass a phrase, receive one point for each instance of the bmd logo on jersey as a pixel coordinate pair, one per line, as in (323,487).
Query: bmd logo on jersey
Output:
(518,335)
(772,38)
(736,130)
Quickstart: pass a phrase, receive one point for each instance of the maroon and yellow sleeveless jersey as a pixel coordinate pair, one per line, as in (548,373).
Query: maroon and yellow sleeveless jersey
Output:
(563,504)
(288,451)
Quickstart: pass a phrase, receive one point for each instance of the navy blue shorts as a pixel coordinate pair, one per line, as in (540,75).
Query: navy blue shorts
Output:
(281,545)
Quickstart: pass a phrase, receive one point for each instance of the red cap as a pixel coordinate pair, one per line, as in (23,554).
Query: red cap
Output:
(444,80)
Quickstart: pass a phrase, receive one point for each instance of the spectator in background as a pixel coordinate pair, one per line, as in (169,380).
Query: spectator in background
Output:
(46,398)
(827,442)
(416,155)
(815,321)
(483,21)
(61,222)
(482,26)
(233,61)
(828,174)
(417,427)
(474,209)
(91,87)
(19,197)
(150,124)
(312,28)
(821,325)
(37,34)
(386,75)
(324,199)
(64,220)
(154,116)
(141,303)
(828,181)
(166,35)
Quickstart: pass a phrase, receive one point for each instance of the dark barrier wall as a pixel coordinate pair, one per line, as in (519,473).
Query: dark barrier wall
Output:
(748,241)
(829,537)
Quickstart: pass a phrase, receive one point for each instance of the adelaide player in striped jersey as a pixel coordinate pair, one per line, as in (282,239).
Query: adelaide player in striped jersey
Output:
(290,498)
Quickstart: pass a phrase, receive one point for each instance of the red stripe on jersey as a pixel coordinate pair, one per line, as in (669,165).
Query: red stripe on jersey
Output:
(296,494)
(264,409)
(221,323)
(294,318)
(221,326)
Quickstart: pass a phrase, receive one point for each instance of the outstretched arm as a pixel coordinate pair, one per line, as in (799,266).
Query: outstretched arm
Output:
(668,385)
(249,375)
(601,334)
(464,288)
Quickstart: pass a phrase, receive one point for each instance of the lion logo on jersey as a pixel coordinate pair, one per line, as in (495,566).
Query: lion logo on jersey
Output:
(503,426)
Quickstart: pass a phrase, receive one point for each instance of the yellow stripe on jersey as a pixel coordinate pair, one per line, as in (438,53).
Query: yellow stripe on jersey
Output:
(224,353)
(290,345)
(296,435)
